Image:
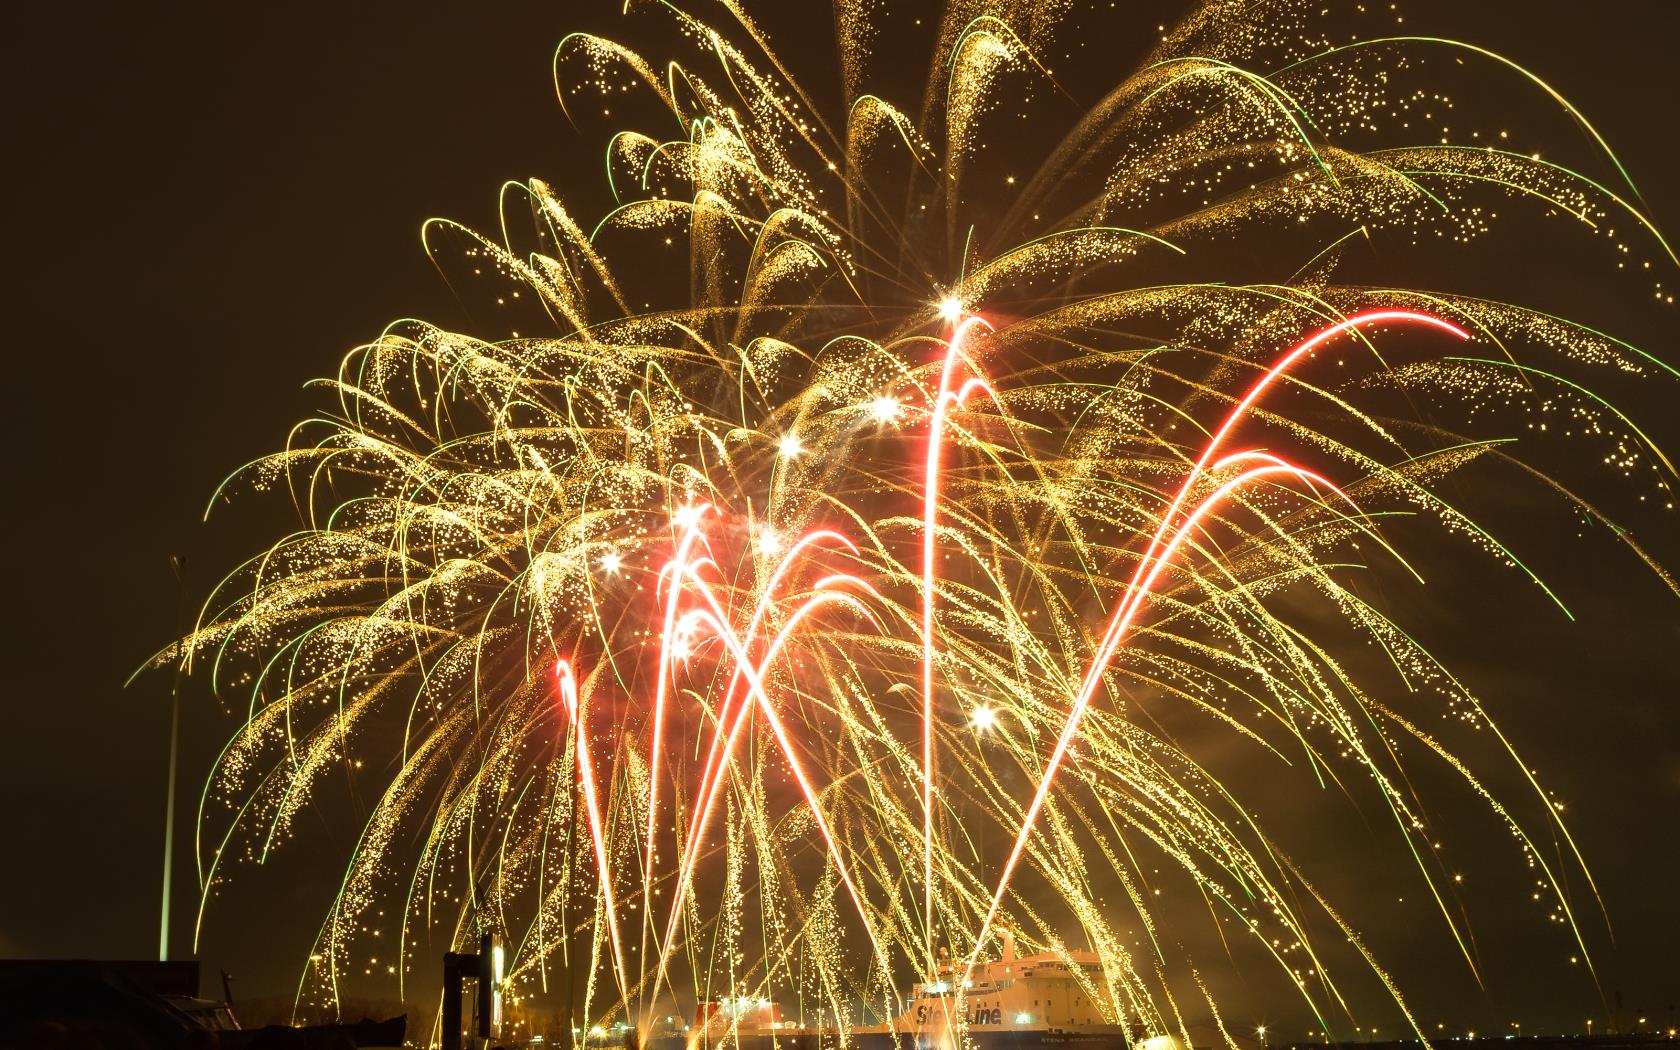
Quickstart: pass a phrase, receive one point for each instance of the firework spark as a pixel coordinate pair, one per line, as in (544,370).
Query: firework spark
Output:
(837,503)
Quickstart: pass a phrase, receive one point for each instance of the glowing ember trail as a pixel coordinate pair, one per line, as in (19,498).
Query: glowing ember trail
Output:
(943,399)
(586,775)
(1158,554)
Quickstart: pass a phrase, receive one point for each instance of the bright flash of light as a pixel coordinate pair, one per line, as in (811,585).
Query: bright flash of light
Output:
(983,718)
(687,517)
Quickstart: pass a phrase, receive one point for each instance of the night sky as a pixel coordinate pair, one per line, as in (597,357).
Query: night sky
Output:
(216,201)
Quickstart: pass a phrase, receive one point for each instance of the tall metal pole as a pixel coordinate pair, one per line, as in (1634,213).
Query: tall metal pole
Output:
(177,564)
(169,826)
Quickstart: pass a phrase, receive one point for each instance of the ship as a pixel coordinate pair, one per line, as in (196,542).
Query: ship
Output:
(1017,1002)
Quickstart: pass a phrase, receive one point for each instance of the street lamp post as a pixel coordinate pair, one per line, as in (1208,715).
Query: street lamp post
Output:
(177,565)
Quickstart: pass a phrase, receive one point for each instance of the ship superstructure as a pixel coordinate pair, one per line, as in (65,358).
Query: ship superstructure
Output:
(1018,1002)
(1015,1003)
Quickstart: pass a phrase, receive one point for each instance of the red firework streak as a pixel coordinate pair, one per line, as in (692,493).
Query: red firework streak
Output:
(691,606)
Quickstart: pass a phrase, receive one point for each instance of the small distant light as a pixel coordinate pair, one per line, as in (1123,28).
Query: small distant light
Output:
(983,718)
(611,563)
(687,517)
(789,446)
(1023,1018)
(768,541)
(951,309)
